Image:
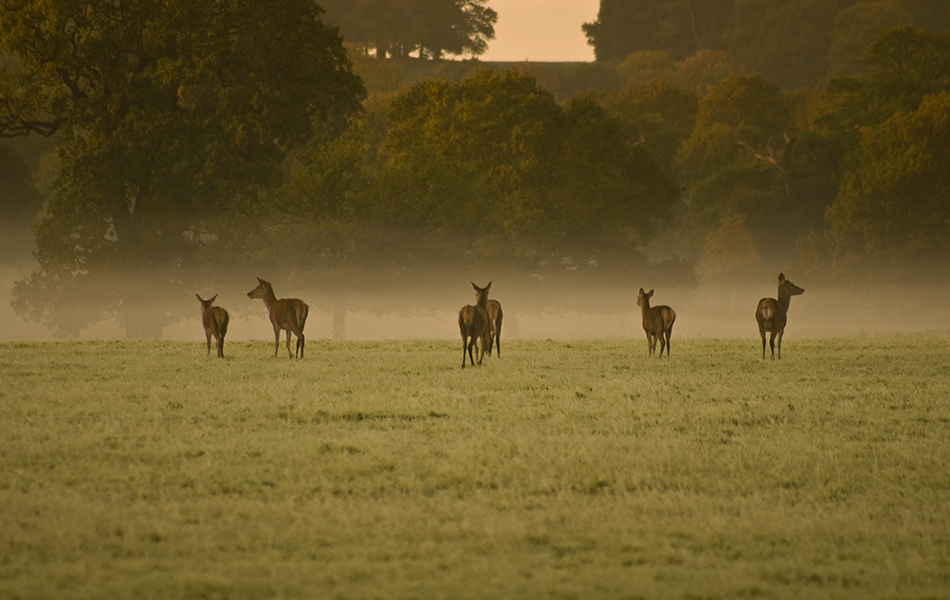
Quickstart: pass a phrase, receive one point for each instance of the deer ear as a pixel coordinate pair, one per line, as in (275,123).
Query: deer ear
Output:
(781,277)
(259,280)
(213,298)
(641,291)
(199,298)
(474,286)
(488,287)
(650,294)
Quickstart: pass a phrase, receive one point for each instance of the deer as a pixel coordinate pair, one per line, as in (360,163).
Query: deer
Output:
(495,316)
(474,324)
(215,320)
(657,322)
(288,314)
(772,314)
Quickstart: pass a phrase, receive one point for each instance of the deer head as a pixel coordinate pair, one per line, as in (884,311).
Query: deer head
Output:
(786,288)
(206,304)
(481,294)
(643,299)
(262,289)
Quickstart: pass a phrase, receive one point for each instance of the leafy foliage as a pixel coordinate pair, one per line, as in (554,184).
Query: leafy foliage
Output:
(896,207)
(494,157)
(679,27)
(170,118)
(792,43)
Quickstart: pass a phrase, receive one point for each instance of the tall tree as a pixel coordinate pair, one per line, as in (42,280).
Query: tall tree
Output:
(495,159)
(19,198)
(737,158)
(679,27)
(171,117)
(894,211)
(659,116)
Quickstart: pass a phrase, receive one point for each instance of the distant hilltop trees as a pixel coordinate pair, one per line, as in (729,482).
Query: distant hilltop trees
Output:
(430,28)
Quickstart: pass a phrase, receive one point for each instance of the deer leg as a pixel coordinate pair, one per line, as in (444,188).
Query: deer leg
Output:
(289,353)
(498,341)
(219,343)
(276,341)
(772,344)
(669,332)
(483,342)
(762,334)
(208,336)
(301,340)
(780,334)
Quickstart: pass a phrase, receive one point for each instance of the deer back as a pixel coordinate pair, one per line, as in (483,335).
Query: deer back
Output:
(473,321)
(771,315)
(215,319)
(658,319)
(289,313)
(494,311)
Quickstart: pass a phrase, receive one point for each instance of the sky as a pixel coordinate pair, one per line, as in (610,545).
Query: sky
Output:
(541,30)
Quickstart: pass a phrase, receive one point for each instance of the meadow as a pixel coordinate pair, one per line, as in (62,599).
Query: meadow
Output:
(564,469)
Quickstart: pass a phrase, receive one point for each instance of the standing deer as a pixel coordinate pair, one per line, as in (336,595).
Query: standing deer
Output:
(288,314)
(495,316)
(772,314)
(657,322)
(215,320)
(474,324)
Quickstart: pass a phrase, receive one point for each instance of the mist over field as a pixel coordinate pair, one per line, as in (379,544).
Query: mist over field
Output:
(352,306)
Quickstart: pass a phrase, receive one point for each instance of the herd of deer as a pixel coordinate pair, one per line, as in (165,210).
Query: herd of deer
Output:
(480,325)
(286,314)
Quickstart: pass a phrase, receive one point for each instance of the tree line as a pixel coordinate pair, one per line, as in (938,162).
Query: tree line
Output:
(189,135)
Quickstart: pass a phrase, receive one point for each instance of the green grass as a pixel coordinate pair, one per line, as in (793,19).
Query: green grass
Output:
(577,469)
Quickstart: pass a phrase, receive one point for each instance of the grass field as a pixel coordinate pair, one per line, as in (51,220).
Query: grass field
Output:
(577,469)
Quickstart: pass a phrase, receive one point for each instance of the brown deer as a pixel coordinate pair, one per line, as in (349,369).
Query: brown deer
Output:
(772,314)
(657,322)
(288,314)
(474,324)
(215,320)
(495,316)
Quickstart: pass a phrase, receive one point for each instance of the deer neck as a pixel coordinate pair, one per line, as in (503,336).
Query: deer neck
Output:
(644,306)
(482,302)
(784,298)
(269,299)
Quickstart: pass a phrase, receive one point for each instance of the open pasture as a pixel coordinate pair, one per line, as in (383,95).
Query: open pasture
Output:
(579,469)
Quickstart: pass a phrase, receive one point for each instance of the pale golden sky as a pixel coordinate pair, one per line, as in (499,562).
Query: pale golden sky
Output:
(541,30)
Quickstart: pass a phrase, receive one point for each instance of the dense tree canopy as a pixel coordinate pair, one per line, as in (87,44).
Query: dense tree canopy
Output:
(495,158)
(679,27)
(170,117)
(895,210)
(789,42)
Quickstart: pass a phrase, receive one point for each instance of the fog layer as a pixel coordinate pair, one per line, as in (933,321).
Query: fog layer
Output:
(534,307)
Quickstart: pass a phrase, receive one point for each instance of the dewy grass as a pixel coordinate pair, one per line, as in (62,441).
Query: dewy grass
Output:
(579,469)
